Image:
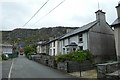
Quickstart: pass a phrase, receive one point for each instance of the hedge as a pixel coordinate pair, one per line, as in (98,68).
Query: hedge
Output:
(79,56)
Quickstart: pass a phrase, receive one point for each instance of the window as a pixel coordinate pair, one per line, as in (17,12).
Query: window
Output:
(63,50)
(54,52)
(68,40)
(81,47)
(50,44)
(63,42)
(80,38)
(68,50)
(50,51)
(74,49)
(54,44)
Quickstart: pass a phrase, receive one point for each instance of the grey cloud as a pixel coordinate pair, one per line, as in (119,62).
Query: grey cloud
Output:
(13,13)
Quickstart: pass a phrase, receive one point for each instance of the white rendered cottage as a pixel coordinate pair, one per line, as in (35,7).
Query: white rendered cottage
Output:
(97,37)
(41,47)
(54,47)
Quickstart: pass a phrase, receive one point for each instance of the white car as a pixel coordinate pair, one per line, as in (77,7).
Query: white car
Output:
(6,55)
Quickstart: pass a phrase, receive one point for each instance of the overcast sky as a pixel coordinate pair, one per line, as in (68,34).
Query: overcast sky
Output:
(72,13)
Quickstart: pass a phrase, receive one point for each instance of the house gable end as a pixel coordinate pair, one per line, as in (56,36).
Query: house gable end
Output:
(102,28)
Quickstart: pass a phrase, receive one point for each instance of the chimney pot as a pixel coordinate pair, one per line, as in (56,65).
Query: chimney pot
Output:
(100,15)
(118,9)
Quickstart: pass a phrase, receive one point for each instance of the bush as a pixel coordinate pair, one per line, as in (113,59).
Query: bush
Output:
(79,56)
(29,49)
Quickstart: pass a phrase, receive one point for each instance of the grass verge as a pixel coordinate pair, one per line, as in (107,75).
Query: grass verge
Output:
(86,74)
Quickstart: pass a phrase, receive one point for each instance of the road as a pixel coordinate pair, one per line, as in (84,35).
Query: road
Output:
(6,68)
(21,67)
(0,70)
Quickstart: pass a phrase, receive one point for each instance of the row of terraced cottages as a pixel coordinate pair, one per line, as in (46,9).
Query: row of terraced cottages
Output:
(96,36)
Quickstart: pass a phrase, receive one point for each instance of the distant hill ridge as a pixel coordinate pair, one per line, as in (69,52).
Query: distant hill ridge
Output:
(31,36)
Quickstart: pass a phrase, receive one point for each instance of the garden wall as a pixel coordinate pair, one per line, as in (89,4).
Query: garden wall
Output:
(73,66)
(103,69)
(67,66)
(46,60)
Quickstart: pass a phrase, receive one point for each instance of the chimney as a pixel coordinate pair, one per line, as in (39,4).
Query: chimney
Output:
(100,15)
(118,9)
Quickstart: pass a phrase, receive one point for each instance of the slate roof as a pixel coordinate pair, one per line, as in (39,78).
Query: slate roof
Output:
(116,22)
(42,43)
(81,29)
(57,38)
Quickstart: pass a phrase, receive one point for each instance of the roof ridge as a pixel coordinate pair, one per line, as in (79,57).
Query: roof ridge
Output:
(80,29)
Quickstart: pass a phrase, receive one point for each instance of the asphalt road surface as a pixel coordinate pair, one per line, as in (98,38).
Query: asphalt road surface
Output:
(6,68)
(21,67)
(0,70)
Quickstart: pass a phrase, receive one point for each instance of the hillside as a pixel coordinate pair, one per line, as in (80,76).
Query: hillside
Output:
(31,36)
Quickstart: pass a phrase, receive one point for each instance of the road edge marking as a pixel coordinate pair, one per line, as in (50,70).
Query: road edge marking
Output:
(9,75)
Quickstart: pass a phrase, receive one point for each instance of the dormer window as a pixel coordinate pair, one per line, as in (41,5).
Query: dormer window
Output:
(80,38)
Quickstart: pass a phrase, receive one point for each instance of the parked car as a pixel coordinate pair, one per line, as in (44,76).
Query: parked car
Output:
(21,53)
(31,55)
(5,56)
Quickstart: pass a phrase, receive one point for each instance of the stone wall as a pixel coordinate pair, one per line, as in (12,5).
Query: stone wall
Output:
(73,66)
(103,69)
(67,66)
(46,60)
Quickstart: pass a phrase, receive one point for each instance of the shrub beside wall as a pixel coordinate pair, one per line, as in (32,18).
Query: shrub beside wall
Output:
(75,61)
(80,55)
(70,62)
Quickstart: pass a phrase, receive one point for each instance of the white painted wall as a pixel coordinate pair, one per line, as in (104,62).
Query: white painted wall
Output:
(85,41)
(56,47)
(38,49)
(75,39)
(41,49)
(6,49)
(117,40)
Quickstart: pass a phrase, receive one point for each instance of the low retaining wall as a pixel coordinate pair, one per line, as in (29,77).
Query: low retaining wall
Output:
(73,66)
(103,69)
(67,66)
(63,66)
(46,60)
